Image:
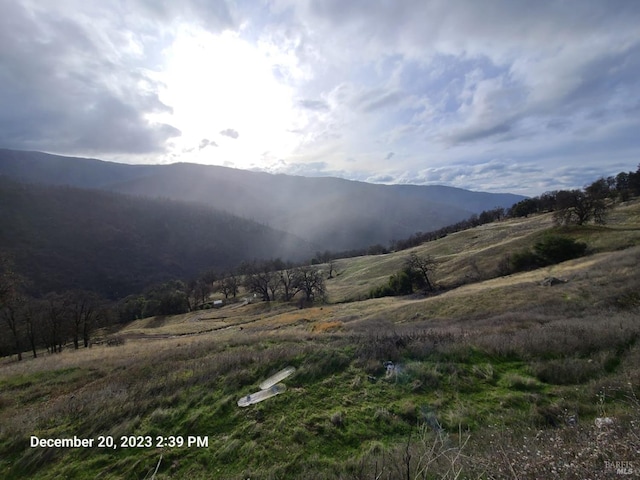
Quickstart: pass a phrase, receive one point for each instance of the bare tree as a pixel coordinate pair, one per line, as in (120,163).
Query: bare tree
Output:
(262,280)
(57,317)
(12,315)
(201,291)
(424,268)
(290,283)
(82,308)
(12,302)
(229,284)
(311,282)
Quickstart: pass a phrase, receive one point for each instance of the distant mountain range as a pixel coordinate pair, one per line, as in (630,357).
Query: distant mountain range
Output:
(329,213)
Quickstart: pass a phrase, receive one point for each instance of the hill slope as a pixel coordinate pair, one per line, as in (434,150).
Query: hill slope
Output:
(115,244)
(504,364)
(333,213)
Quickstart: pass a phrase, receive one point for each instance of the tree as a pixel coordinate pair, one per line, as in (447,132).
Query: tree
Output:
(12,313)
(622,186)
(56,321)
(131,308)
(601,189)
(424,268)
(634,182)
(169,298)
(11,302)
(401,283)
(33,323)
(83,308)
(261,279)
(578,207)
(488,216)
(547,201)
(311,282)
(233,284)
(289,280)
(524,208)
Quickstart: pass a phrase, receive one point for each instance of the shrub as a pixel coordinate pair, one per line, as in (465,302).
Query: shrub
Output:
(555,249)
(548,251)
(402,282)
(526,260)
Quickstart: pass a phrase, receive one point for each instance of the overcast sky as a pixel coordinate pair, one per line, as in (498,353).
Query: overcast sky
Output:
(514,96)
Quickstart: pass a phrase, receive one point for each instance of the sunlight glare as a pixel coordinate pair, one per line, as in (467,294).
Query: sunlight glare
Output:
(218,82)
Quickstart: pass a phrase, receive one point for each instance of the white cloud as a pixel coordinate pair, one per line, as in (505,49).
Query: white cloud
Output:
(489,95)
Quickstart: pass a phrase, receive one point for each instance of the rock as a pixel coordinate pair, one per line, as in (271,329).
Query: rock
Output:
(602,421)
(551,281)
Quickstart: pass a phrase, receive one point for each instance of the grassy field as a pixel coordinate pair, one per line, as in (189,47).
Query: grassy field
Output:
(500,377)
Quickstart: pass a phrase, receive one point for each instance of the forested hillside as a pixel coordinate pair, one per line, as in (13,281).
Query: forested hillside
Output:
(333,213)
(62,238)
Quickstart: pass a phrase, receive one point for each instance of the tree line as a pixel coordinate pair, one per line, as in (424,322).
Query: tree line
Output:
(49,322)
(580,206)
(57,320)
(576,206)
(268,280)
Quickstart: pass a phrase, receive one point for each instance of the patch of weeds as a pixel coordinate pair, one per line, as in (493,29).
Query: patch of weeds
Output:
(421,376)
(485,372)
(567,371)
(519,382)
(322,364)
(459,417)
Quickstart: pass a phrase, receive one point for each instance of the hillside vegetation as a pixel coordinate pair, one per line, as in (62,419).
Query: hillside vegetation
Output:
(63,238)
(333,213)
(491,376)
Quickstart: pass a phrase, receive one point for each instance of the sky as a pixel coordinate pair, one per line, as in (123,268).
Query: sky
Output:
(512,96)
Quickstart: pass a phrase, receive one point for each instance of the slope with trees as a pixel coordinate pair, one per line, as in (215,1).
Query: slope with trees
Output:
(332,213)
(62,238)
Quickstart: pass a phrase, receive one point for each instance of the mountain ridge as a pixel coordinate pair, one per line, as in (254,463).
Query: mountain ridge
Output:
(336,213)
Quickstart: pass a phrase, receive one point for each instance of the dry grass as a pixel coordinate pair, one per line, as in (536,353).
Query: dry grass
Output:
(462,255)
(500,350)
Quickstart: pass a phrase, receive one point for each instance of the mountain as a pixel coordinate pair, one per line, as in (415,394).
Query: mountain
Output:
(332,213)
(64,238)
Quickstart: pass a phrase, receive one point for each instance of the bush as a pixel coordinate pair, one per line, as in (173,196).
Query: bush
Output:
(555,249)
(526,260)
(550,250)
(400,283)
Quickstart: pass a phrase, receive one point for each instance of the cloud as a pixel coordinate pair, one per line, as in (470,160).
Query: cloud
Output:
(381,179)
(315,105)
(376,99)
(486,95)
(68,86)
(205,142)
(230,132)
